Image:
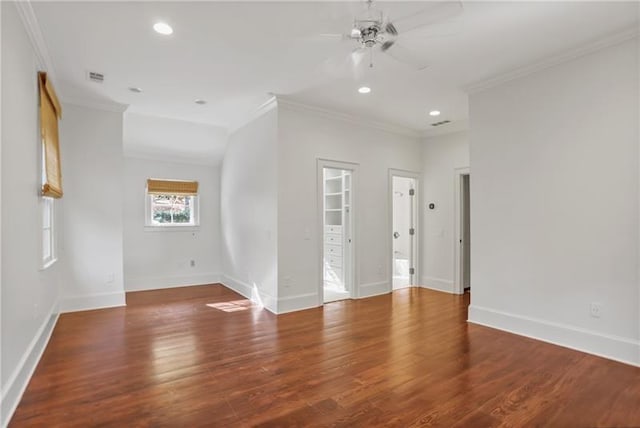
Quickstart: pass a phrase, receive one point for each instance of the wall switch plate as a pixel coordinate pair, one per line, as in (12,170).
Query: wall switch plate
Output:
(111,277)
(595,309)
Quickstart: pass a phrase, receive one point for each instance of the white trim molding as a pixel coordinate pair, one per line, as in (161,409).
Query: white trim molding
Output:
(259,111)
(372,289)
(19,379)
(437,284)
(616,348)
(458,227)
(379,125)
(92,301)
(595,45)
(268,301)
(143,283)
(32,27)
(299,302)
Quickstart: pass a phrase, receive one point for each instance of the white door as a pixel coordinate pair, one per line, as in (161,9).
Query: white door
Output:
(404,231)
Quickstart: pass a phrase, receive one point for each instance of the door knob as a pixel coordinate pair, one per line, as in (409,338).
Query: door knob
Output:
(396,235)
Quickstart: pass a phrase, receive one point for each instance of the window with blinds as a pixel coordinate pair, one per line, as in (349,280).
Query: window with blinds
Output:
(172,203)
(50,113)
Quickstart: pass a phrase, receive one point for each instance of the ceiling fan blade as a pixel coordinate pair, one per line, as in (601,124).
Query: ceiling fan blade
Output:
(435,13)
(331,37)
(406,56)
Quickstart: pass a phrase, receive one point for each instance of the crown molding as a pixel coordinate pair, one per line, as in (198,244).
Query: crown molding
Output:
(97,105)
(596,45)
(346,117)
(31,25)
(259,111)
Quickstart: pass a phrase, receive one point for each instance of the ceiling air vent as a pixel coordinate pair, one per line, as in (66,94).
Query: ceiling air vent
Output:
(442,122)
(95,77)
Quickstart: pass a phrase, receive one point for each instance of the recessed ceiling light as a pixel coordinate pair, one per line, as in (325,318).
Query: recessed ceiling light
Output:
(200,101)
(163,28)
(434,113)
(364,89)
(135,89)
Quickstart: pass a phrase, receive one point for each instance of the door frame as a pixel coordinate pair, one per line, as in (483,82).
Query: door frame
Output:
(458,286)
(417,222)
(352,252)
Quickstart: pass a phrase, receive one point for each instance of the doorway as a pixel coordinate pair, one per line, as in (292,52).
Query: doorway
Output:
(336,184)
(403,230)
(463,231)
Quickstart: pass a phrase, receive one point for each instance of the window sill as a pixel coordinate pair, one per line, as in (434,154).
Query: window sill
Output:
(173,228)
(46,265)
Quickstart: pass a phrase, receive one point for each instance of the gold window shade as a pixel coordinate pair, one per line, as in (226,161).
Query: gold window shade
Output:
(50,112)
(171,187)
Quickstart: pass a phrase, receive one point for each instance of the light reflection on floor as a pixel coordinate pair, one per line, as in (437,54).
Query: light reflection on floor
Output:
(233,305)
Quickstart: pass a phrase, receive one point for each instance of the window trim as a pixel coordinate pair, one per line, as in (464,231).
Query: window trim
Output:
(150,226)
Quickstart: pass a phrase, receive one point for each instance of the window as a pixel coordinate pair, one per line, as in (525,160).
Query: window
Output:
(51,177)
(48,232)
(172,203)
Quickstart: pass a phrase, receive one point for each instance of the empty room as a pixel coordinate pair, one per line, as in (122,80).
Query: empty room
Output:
(331,213)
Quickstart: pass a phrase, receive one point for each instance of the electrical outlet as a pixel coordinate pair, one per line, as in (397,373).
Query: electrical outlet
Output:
(192,263)
(111,277)
(595,309)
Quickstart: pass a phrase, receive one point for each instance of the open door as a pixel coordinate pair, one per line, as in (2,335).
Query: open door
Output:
(404,231)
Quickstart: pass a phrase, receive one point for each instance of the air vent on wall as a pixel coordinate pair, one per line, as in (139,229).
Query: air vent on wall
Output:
(442,122)
(95,77)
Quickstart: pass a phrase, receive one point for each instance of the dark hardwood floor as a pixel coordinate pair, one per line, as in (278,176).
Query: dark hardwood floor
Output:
(172,358)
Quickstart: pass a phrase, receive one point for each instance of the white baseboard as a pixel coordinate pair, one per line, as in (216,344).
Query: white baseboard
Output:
(269,302)
(374,289)
(297,303)
(437,284)
(93,301)
(608,346)
(134,283)
(19,379)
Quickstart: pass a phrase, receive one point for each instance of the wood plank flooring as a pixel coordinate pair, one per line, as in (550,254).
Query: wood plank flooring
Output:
(202,356)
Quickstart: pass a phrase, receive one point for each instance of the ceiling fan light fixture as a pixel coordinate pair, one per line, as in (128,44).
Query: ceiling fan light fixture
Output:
(434,113)
(364,89)
(163,28)
(355,33)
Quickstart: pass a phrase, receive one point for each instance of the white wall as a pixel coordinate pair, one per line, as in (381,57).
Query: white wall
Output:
(305,136)
(160,258)
(249,212)
(93,167)
(554,208)
(441,156)
(172,140)
(28,296)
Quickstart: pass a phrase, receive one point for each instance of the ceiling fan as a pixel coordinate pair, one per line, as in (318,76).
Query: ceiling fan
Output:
(374,31)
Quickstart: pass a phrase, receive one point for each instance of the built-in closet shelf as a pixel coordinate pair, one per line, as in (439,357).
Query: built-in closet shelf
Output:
(336,214)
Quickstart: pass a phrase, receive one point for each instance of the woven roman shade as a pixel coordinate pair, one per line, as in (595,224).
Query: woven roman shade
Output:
(171,187)
(50,112)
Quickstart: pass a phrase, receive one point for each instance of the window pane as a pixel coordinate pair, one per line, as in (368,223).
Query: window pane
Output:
(46,213)
(172,209)
(46,244)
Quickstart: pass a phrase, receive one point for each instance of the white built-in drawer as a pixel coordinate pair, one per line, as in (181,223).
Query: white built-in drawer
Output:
(333,260)
(333,238)
(332,250)
(333,229)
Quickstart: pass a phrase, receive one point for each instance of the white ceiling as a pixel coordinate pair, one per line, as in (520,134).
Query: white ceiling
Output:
(234,54)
